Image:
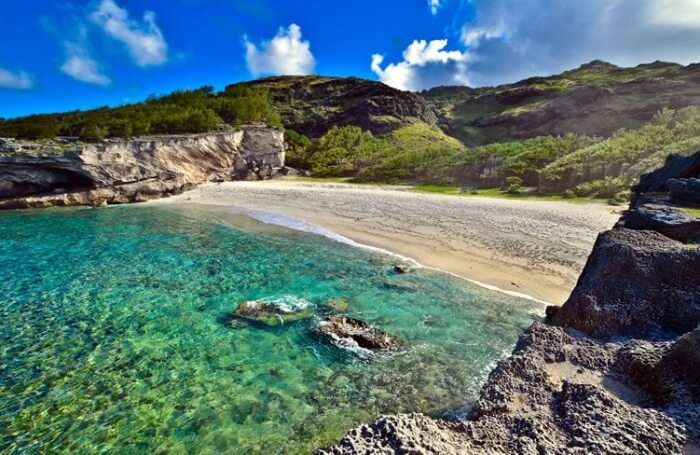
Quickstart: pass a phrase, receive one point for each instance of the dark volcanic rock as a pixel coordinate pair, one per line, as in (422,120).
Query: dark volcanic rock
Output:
(680,367)
(403,268)
(663,219)
(676,167)
(558,393)
(353,334)
(635,283)
(401,434)
(685,190)
(312,105)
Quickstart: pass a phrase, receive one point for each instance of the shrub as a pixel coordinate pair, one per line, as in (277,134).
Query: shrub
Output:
(93,133)
(513,185)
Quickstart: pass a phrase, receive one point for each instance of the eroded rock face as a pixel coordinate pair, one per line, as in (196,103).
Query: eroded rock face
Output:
(635,283)
(665,220)
(686,190)
(676,167)
(119,171)
(558,393)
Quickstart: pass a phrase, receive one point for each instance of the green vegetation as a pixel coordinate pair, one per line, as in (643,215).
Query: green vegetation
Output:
(192,111)
(409,153)
(571,166)
(451,190)
(690,211)
(629,153)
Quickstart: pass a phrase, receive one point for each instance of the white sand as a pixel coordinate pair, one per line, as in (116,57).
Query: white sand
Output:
(531,247)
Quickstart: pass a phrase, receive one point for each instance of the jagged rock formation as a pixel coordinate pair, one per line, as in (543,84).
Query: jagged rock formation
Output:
(613,371)
(355,334)
(120,171)
(312,105)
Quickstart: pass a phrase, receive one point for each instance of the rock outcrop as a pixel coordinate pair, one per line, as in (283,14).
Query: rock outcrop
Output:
(134,170)
(312,105)
(274,312)
(356,335)
(615,370)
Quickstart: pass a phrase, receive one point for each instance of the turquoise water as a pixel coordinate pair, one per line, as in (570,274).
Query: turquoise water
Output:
(115,335)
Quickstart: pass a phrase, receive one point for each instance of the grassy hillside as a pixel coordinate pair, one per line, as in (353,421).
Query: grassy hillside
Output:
(596,99)
(569,165)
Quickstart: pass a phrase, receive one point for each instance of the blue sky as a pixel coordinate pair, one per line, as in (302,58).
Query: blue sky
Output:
(71,54)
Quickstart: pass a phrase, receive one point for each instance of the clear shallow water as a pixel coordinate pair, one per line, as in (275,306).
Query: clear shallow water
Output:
(115,336)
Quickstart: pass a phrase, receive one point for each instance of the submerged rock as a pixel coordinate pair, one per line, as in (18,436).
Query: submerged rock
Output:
(339,305)
(403,268)
(357,335)
(274,312)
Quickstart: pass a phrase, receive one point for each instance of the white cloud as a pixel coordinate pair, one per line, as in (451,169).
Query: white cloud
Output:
(678,13)
(512,39)
(425,64)
(434,6)
(144,40)
(285,54)
(18,80)
(79,65)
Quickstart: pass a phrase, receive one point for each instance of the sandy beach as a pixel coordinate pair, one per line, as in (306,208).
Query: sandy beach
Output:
(536,248)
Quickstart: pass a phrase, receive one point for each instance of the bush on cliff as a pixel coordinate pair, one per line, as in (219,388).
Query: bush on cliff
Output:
(189,111)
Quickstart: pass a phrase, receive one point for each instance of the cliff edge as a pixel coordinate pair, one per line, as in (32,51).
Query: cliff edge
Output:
(135,170)
(615,370)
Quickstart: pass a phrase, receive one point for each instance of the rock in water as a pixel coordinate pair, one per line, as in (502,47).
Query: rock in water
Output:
(356,335)
(274,312)
(403,268)
(339,305)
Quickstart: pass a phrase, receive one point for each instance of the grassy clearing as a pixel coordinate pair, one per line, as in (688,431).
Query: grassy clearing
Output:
(690,211)
(449,190)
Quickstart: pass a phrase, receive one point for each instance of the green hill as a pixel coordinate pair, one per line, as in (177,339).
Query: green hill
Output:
(588,131)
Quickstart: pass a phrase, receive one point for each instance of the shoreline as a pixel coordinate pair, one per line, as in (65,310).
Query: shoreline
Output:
(528,249)
(296,224)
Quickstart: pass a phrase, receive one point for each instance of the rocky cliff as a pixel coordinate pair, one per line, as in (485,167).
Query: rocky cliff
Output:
(613,371)
(120,171)
(313,104)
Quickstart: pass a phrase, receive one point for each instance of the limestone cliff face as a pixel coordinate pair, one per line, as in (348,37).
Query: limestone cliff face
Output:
(120,171)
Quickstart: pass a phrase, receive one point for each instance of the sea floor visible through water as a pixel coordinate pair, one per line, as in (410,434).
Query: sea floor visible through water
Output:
(117,335)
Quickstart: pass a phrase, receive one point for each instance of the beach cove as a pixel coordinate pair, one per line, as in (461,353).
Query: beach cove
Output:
(530,248)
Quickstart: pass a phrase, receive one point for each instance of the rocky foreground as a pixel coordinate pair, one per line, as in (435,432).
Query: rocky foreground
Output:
(616,370)
(133,170)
